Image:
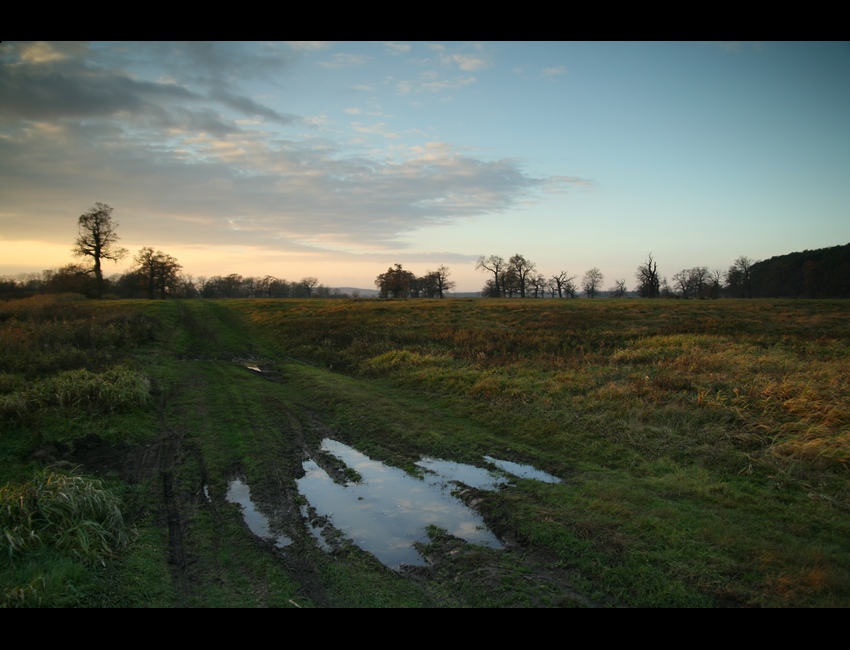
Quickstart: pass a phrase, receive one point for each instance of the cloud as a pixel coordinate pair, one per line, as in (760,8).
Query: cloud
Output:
(344,60)
(51,82)
(57,88)
(277,190)
(554,71)
(309,46)
(397,48)
(146,129)
(432,83)
(249,107)
(466,62)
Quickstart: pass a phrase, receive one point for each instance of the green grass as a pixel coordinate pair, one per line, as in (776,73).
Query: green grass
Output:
(704,445)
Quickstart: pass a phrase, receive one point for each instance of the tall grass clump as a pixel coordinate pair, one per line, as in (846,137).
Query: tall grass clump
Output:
(54,529)
(69,513)
(117,389)
(79,391)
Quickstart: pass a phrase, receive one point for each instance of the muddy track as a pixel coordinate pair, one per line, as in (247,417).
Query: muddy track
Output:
(180,491)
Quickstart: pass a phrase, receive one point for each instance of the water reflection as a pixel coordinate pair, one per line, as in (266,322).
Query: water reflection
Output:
(522,471)
(389,510)
(239,493)
(444,471)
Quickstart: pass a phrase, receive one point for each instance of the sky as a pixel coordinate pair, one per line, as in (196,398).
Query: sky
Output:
(337,160)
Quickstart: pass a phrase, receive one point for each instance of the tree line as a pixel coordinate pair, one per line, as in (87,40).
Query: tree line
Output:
(518,277)
(154,274)
(822,273)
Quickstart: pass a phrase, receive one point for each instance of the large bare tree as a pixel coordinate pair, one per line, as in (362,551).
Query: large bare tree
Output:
(497,266)
(97,239)
(649,284)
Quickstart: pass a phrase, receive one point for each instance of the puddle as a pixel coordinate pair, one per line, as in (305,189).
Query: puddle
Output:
(522,471)
(388,510)
(239,493)
(445,471)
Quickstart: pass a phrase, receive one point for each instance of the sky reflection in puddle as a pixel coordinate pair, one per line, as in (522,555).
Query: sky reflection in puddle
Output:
(522,471)
(389,510)
(240,494)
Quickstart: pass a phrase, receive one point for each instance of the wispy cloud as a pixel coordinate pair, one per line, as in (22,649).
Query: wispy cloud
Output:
(554,71)
(344,60)
(398,48)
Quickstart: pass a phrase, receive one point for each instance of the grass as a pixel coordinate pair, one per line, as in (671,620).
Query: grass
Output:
(704,445)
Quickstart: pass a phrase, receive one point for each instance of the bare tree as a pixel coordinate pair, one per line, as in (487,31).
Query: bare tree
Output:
(537,282)
(497,266)
(649,285)
(564,284)
(716,279)
(684,281)
(97,239)
(619,289)
(699,281)
(308,284)
(591,282)
(440,280)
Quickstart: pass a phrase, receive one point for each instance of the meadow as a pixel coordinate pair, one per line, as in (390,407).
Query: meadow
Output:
(703,448)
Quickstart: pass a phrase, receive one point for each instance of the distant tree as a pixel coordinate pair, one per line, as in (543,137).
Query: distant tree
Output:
(426,286)
(563,283)
(739,278)
(441,278)
(396,282)
(591,282)
(157,273)
(700,281)
(715,282)
(684,282)
(72,278)
(649,285)
(490,290)
(497,266)
(537,283)
(186,287)
(510,283)
(308,284)
(97,239)
(619,289)
(523,271)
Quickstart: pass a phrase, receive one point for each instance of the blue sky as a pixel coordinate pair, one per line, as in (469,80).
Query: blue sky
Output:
(339,159)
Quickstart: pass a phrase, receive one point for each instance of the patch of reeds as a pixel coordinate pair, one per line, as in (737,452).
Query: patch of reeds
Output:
(64,512)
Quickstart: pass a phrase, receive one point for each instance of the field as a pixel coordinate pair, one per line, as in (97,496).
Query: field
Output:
(702,449)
